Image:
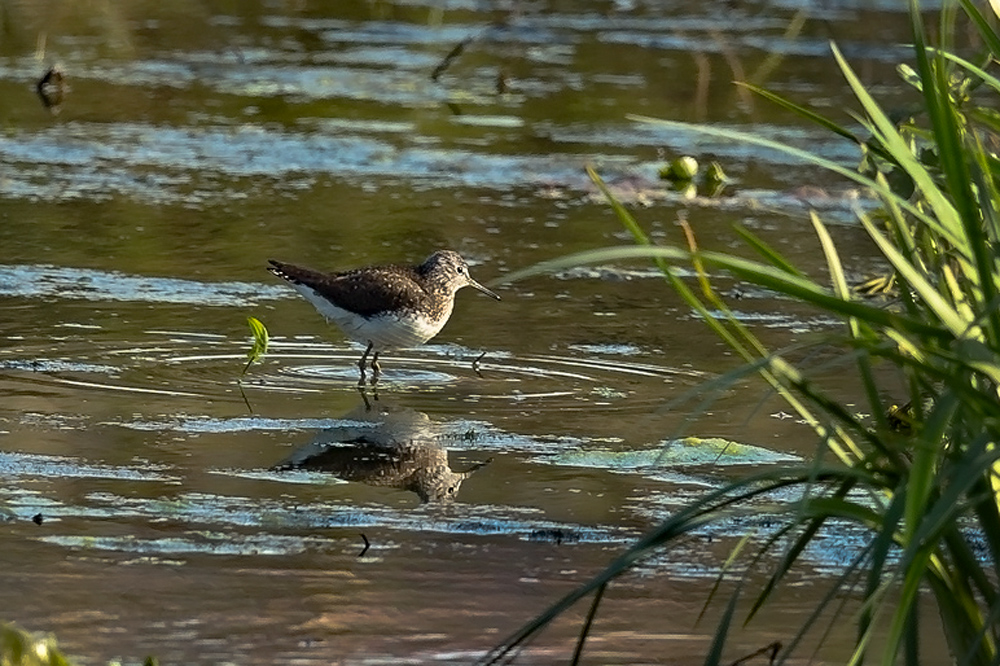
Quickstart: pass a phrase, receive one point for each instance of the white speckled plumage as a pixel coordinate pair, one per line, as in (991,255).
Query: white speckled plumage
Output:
(392,329)
(386,307)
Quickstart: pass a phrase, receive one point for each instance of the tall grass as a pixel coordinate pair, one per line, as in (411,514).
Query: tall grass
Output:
(922,480)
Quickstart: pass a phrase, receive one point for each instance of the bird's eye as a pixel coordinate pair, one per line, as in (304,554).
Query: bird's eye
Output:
(461,269)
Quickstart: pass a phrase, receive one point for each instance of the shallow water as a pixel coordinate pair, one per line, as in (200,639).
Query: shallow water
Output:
(194,141)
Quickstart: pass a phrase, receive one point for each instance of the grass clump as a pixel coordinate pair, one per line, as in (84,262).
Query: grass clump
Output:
(923,480)
(21,648)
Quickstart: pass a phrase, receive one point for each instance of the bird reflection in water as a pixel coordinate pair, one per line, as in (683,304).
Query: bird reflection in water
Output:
(51,88)
(403,450)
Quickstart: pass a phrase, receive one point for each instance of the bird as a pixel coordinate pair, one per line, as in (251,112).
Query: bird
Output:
(386,307)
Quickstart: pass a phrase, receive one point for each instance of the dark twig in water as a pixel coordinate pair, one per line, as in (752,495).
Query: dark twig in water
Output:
(367,545)
(773,648)
(37,519)
(502,82)
(454,53)
(586,625)
(246,401)
(475,364)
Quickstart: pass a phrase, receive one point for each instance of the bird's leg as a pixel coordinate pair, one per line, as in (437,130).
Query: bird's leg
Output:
(361,363)
(364,396)
(376,369)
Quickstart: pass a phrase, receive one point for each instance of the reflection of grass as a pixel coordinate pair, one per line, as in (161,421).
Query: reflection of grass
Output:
(927,494)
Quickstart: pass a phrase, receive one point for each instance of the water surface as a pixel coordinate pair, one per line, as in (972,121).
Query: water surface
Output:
(142,510)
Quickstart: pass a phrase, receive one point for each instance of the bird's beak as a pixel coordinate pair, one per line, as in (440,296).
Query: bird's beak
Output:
(473,283)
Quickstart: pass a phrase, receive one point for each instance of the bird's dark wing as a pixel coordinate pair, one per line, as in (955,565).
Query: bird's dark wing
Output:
(366,291)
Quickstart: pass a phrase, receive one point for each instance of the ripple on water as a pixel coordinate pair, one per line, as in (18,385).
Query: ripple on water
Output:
(33,281)
(597,379)
(205,365)
(392,376)
(216,523)
(17,465)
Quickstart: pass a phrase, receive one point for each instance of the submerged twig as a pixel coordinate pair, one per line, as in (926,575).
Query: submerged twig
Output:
(452,55)
(475,364)
(367,545)
(246,401)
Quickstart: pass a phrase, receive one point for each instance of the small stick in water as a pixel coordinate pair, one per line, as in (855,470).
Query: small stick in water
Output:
(367,545)
(475,364)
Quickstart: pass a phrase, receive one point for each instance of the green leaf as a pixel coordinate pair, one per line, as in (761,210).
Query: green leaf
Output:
(766,251)
(260,341)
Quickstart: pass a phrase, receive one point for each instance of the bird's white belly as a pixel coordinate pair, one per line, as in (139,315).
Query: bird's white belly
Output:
(387,331)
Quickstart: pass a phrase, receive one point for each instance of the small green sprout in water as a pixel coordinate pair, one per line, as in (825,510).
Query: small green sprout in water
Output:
(714,179)
(260,340)
(714,174)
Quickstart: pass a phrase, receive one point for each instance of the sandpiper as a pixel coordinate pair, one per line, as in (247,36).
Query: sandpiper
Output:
(386,307)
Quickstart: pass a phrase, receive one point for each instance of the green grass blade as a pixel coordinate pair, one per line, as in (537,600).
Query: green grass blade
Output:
(926,455)
(766,251)
(624,216)
(985,182)
(711,507)
(587,624)
(714,655)
(912,580)
(952,153)
(832,258)
(946,219)
(944,312)
(885,538)
(982,74)
(986,30)
(729,328)
(761,274)
(804,112)
(951,229)
(843,582)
